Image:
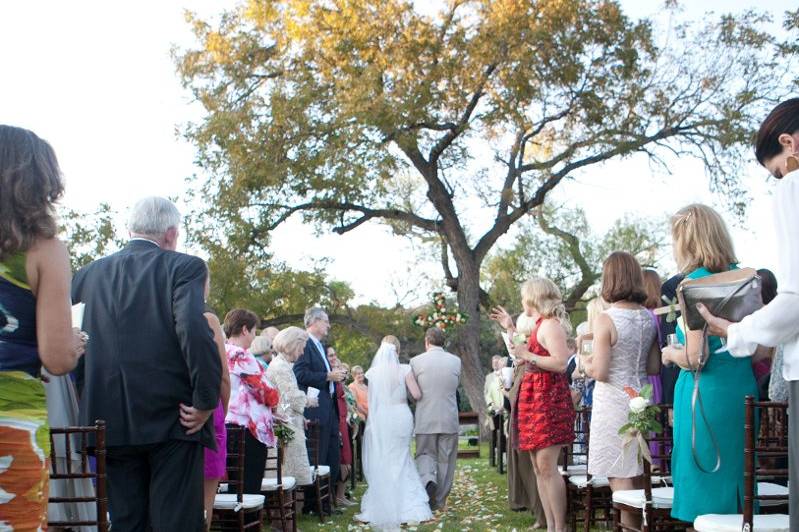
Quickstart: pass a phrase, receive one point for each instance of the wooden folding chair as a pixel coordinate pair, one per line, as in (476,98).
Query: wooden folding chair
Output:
(236,509)
(279,491)
(586,495)
(761,450)
(653,503)
(57,473)
(321,484)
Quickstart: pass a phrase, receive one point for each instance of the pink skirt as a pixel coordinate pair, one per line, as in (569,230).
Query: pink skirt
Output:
(215,460)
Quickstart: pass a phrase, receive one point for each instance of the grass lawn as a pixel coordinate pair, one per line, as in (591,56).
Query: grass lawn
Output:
(478,502)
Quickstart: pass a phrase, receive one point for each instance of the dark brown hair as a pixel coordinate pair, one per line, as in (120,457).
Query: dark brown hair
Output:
(237,319)
(652,285)
(622,279)
(784,118)
(30,184)
(435,336)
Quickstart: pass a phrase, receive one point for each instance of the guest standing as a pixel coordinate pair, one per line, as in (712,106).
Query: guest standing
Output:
(216,460)
(151,371)
(261,349)
(522,482)
(546,415)
(345,460)
(625,351)
(777,148)
(702,247)
(251,396)
(34,289)
(289,345)
(313,370)
(360,391)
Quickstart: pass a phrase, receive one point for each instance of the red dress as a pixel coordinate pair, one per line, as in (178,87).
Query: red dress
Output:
(544,406)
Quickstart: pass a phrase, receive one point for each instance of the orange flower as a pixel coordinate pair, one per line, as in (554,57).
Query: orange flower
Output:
(631,392)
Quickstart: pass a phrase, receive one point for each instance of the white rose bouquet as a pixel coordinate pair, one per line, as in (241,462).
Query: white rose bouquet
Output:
(642,421)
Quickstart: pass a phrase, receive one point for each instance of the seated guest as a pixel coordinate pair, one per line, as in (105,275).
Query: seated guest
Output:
(34,290)
(289,345)
(702,247)
(251,396)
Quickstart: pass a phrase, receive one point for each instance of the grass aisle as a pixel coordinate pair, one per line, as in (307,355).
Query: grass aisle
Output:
(478,502)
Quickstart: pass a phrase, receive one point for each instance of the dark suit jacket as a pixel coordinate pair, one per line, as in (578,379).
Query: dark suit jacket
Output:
(150,347)
(310,370)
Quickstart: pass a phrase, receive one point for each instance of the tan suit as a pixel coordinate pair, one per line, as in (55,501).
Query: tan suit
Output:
(436,423)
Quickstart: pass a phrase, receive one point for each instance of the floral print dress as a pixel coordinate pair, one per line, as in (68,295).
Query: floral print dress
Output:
(251,395)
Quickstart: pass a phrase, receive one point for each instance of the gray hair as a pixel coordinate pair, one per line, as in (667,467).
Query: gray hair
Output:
(260,345)
(313,315)
(153,216)
(289,339)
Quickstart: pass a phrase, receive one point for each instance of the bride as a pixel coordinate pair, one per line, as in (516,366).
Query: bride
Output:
(394,494)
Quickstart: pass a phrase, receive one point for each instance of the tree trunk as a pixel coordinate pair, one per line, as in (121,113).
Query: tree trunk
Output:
(468,345)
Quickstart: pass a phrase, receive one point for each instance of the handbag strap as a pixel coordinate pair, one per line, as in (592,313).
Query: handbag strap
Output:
(696,396)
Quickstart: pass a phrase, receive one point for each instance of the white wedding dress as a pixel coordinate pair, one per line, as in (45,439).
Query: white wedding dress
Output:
(394,494)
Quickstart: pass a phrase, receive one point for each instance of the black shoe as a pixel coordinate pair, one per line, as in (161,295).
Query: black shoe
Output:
(431,489)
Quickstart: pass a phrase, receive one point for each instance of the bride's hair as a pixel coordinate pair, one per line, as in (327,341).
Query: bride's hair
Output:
(393,340)
(544,296)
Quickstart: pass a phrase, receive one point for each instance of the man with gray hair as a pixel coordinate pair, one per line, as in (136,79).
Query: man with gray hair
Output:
(151,371)
(313,370)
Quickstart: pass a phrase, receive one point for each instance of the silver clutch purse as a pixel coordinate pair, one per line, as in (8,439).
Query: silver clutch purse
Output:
(731,295)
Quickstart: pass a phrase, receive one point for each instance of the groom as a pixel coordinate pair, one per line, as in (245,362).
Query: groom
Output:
(436,428)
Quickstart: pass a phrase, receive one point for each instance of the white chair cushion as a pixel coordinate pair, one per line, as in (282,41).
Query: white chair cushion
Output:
(661,497)
(581,481)
(270,484)
(733,523)
(769,488)
(574,469)
(228,501)
(323,471)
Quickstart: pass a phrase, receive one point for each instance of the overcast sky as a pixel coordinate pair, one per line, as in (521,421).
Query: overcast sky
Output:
(97,81)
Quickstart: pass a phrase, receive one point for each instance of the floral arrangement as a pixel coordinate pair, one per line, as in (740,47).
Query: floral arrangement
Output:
(641,421)
(441,317)
(283,432)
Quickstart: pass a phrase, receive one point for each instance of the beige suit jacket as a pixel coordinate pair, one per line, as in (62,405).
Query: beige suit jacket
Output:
(438,374)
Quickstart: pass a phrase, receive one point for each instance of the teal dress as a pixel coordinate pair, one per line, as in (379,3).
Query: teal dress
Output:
(724,384)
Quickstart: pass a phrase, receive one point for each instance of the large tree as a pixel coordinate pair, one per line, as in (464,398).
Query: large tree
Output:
(454,122)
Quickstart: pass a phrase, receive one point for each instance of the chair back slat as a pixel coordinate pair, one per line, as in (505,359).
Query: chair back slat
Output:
(764,446)
(98,474)
(235,460)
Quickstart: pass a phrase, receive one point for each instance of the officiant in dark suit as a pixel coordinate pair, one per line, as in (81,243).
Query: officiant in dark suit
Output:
(152,371)
(313,370)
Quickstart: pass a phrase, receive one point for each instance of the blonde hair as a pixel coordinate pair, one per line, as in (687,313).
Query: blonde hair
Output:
(525,324)
(701,239)
(393,340)
(356,369)
(288,340)
(544,296)
(593,309)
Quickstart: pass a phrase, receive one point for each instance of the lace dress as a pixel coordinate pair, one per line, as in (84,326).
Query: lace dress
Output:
(607,456)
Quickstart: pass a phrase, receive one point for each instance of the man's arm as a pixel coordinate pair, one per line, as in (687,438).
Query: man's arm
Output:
(306,375)
(195,337)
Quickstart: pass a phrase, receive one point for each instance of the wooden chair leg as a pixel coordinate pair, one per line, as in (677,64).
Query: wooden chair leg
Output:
(589,509)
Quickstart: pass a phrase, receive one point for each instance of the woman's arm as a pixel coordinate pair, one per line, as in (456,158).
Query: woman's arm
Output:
(693,347)
(653,361)
(597,366)
(219,340)
(413,386)
(48,270)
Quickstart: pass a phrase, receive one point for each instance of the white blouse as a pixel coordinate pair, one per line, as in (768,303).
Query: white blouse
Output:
(778,322)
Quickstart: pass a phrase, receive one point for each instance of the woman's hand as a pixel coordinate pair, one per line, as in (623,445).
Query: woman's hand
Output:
(79,339)
(312,402)
(521,352)
(716,326)
(672,355)
(501,316)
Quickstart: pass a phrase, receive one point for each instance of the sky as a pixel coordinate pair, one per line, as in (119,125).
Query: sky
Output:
(96,79)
